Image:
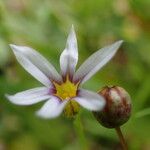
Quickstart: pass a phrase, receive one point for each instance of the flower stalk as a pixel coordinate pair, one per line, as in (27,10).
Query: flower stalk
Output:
(121,138)
(80,132)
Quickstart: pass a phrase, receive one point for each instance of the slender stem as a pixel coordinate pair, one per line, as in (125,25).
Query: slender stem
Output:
(80,132)
(122,140)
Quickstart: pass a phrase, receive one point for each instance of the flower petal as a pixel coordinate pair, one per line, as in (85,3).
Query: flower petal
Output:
(90,100)
(69,56)
(37,60)
(32,69)
(96,62)
(30,97)
(52,108)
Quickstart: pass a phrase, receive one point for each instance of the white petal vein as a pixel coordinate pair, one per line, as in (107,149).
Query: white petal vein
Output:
(30,97)
(95,62)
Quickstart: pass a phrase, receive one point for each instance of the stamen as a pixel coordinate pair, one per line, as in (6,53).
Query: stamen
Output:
(66,91)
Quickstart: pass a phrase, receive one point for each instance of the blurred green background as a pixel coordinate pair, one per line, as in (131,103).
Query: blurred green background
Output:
(44,25)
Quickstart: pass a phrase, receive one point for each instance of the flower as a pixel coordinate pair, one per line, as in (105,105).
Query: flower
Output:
(62,91)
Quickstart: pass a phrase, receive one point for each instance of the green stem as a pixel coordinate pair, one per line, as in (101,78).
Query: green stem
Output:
(80,132)
(122,140)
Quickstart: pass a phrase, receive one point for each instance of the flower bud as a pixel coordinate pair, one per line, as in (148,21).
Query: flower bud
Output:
(117,109)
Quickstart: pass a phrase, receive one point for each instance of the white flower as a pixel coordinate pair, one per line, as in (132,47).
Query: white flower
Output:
(62,90)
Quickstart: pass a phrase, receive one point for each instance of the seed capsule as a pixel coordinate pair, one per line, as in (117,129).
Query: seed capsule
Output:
(117,110)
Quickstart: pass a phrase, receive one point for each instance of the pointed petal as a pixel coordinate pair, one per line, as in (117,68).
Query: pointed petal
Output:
(69,56)
(96,62)
(32,69)
(90,100)
(30,97)
(52,108)
(37,60)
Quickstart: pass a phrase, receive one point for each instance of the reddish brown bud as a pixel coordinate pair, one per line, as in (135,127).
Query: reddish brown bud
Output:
(117,109)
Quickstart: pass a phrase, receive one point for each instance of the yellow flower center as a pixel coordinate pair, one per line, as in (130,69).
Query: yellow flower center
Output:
(65,91)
